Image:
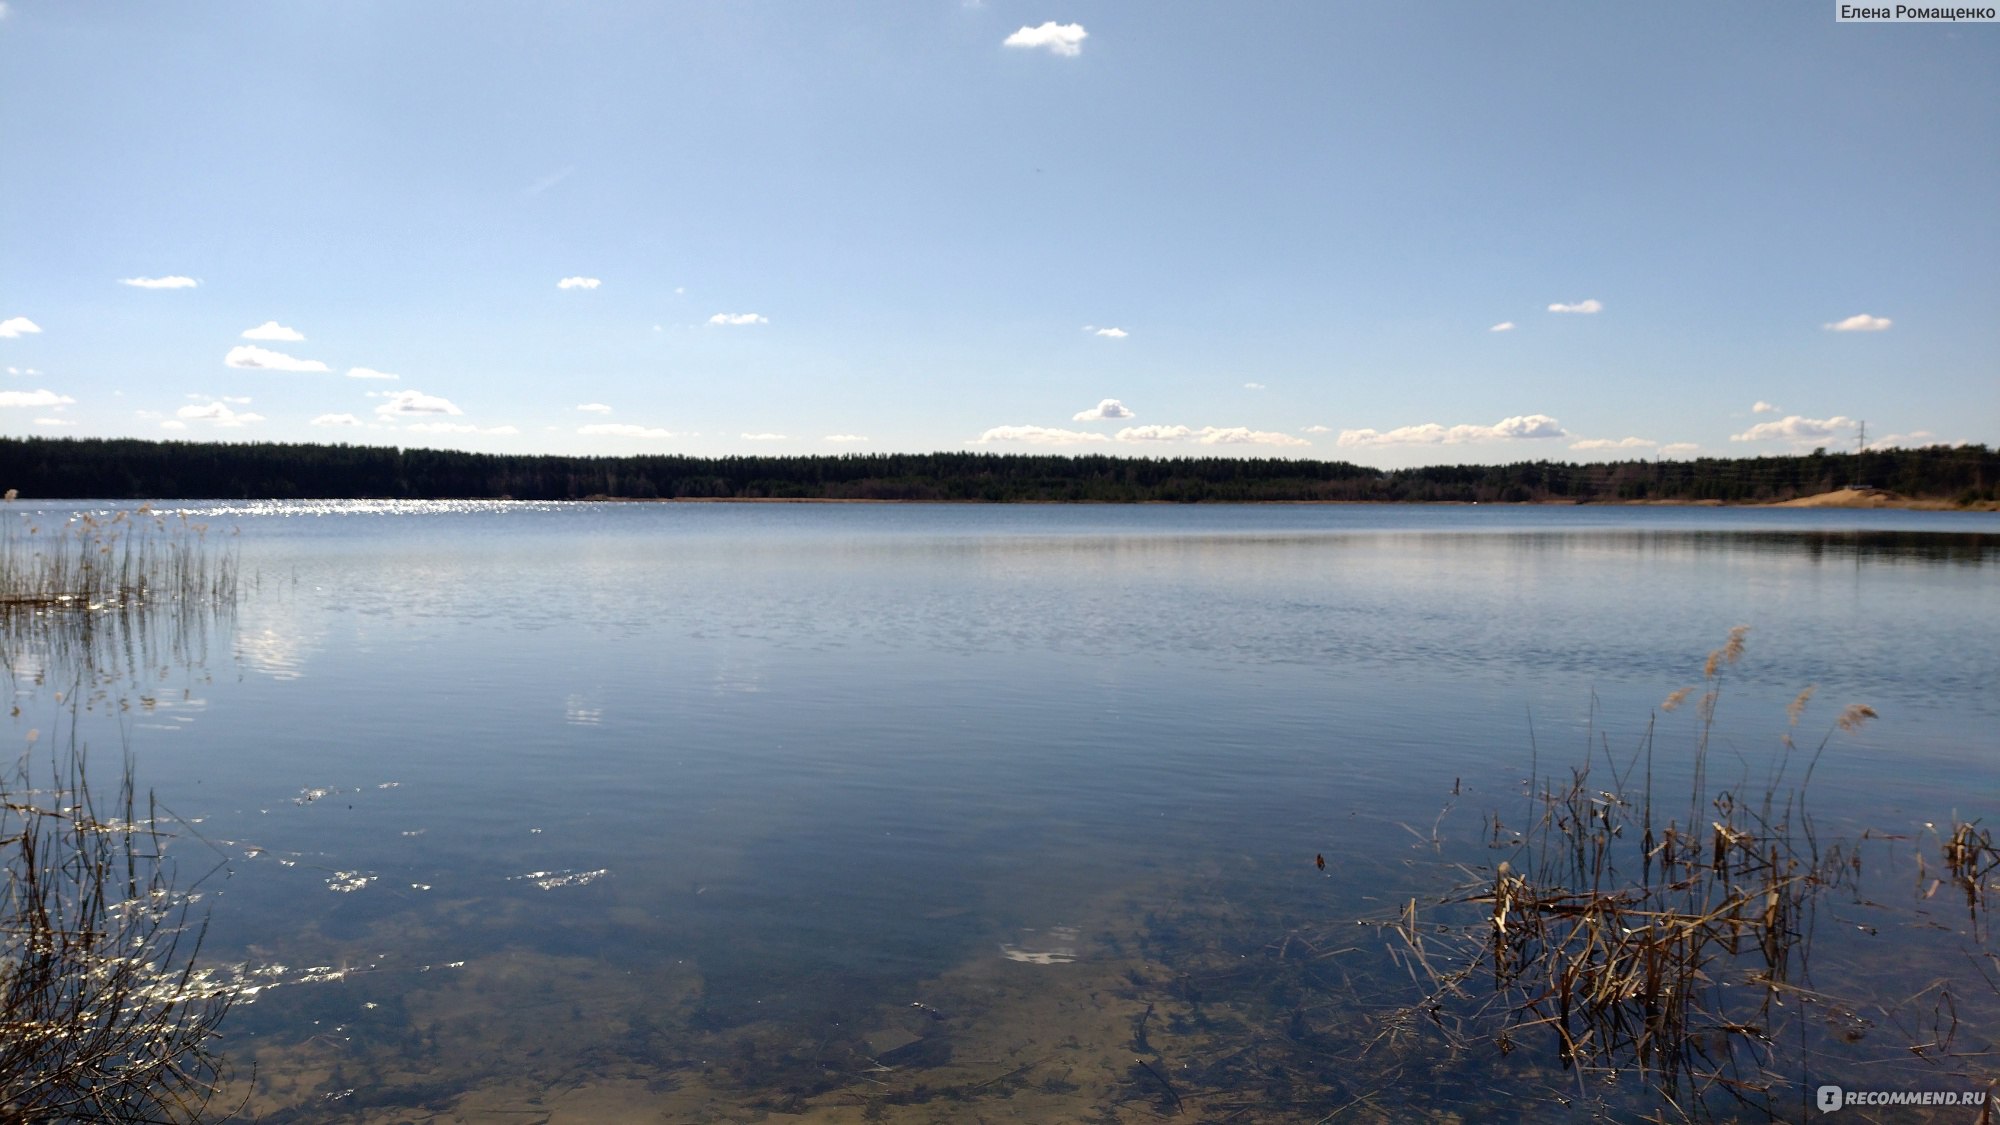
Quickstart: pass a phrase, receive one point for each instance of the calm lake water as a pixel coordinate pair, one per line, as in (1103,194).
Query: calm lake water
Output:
(711,812)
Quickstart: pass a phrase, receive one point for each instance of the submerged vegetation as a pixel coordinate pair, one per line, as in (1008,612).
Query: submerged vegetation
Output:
(132,469)
(104,1015)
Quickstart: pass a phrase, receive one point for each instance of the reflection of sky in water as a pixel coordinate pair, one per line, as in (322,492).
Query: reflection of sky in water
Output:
(814,751)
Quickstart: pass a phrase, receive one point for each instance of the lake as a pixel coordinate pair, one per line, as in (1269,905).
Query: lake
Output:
(907,812)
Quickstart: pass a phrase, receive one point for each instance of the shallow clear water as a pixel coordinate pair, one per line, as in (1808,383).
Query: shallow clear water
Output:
(523,800)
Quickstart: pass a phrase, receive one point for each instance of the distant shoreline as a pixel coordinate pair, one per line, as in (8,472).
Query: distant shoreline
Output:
(1839,498)
(1931,477)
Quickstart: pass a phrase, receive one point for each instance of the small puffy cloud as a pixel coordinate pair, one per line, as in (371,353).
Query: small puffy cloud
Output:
(1107,410)
(414,404)
(1860,322)
(216,414)
(578,283)
(272,330)
(253,358)
(844,438)
(1431,433)
(1110,333)
(1794,428)
(1591,305)
(1037,435)
(1503,326)
(737,318)
(1255,387)
(623,429)
(16,326)
(1607,443)
(336,420)
(174,282)
(34,398)
(458,428)
(173,424)
(765,437)
(1762,407)
(1065,39)
(369,373)
(54,422)
(1318,429)
(1679,448)
(593,408)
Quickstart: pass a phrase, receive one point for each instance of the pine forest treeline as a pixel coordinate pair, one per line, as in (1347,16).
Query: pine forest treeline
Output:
(132,469)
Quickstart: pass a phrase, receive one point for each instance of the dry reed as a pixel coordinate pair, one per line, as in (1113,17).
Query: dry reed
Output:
(1643,942)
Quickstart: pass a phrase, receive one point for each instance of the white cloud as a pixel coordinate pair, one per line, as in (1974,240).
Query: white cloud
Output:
(369,373)
(272,330)
(1255,387)
(845,437)
(410,404)
(1207,435)
(174,282)
(1762,407)
(173,424)
(15,326)
(548,181)
(594,408)
(1503,326)
(217,414)
(1430,433)
(34,398)
(1794,428)
(336,420)
(737,318)
(1240,435)
(1064,39)
(623,429)
(1112,333)
(1105,411)
(54,422)
(1621,443)
(1318,429)
(1860,322)
(1914,437)
(1037,435)
(1679,448)
(457,428)
(1586,306)
(254,358)
(23,371)
(578,283)
(1154,433)
(765,437)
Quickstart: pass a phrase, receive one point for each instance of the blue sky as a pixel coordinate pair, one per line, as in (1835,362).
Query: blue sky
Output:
(1264,229)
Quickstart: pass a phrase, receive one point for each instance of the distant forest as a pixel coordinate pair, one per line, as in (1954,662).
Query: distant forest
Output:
(117,469)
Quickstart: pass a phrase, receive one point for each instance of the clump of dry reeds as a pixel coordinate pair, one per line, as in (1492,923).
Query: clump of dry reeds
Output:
(1641,941)
(97,563)
(102,1015)
(1971,863)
